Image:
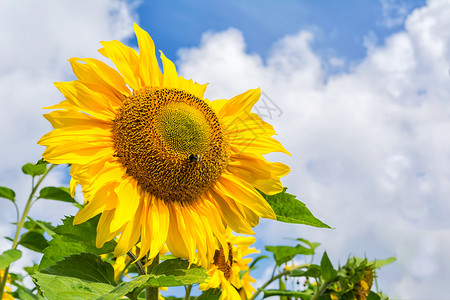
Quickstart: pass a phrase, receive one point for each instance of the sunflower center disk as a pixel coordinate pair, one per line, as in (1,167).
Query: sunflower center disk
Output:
(171,143)
(221,263)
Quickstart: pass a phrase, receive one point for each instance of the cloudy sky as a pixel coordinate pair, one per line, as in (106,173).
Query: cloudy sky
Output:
(358,91)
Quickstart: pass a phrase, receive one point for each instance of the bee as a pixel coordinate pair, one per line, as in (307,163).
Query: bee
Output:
(195,158)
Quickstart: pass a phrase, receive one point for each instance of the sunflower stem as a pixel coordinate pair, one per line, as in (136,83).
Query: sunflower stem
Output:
(286,272)
(188,292)
(22,222)
(152,293)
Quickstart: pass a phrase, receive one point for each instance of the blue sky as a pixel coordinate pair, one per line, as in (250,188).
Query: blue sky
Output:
(340,26)
(362,87)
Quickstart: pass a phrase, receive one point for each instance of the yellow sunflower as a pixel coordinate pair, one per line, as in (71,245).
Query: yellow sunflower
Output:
(157,159)
(226,273)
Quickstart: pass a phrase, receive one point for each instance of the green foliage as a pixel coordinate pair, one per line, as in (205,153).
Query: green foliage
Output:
(56,193)
(287,294)
(133,287)
(328,272)
(7,193)
(62,287)
(284,254)
(33,240)
(175,272)
(314,271)
(34,169)
(8,257)
(84,266)
(290,210)
(72,239)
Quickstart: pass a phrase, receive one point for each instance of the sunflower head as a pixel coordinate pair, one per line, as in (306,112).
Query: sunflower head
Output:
(171,142)
(156,159)
(226,269)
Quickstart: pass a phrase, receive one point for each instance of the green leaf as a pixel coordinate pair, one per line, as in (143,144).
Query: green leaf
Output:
(72,239)
(295,294)
(34,169)
(211,294)
(284,254)
(34,240)
(256,260)
(62,287)
(56,193)
(290,210)
(313,271)
(373,296)
(31,270)
(88,267)
(7,193)
(175,272)
(328,272)
(137,284)
(8,257)
(45,226)
(313,246)
(383,262)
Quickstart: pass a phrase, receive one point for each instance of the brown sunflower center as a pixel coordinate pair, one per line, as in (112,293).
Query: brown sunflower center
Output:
(171,142)
(221,263)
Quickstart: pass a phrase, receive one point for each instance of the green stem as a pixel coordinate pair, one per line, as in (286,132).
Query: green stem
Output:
(320,290)
(21,222)
(286,272)
(152,293)
(139,266)
(188,292)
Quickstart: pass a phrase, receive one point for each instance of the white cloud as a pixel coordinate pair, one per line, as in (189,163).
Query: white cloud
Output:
(37,38)
(370,147)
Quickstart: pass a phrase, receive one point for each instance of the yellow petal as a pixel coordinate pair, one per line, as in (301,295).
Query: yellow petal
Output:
(96,205)
(84,99)
(149,69)
(91,79)
(103,232)
(130,235)
(126,60)
(170,73)
(245,194)
(107,74)
(128,202)
(240,104)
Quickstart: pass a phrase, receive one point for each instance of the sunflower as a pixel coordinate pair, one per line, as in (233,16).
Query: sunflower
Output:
(161,163)
(226,274)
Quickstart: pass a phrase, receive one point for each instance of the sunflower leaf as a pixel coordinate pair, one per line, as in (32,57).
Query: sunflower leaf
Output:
(72,239)
(63,287)
(176,272)
(8,257)
(284,254)
(328,272)
(172,272)
(312,271)
(295,294)
(7,193)
(56,193)
(34,169)
(290,210)
(85,266)
(137,284)
(34,240)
